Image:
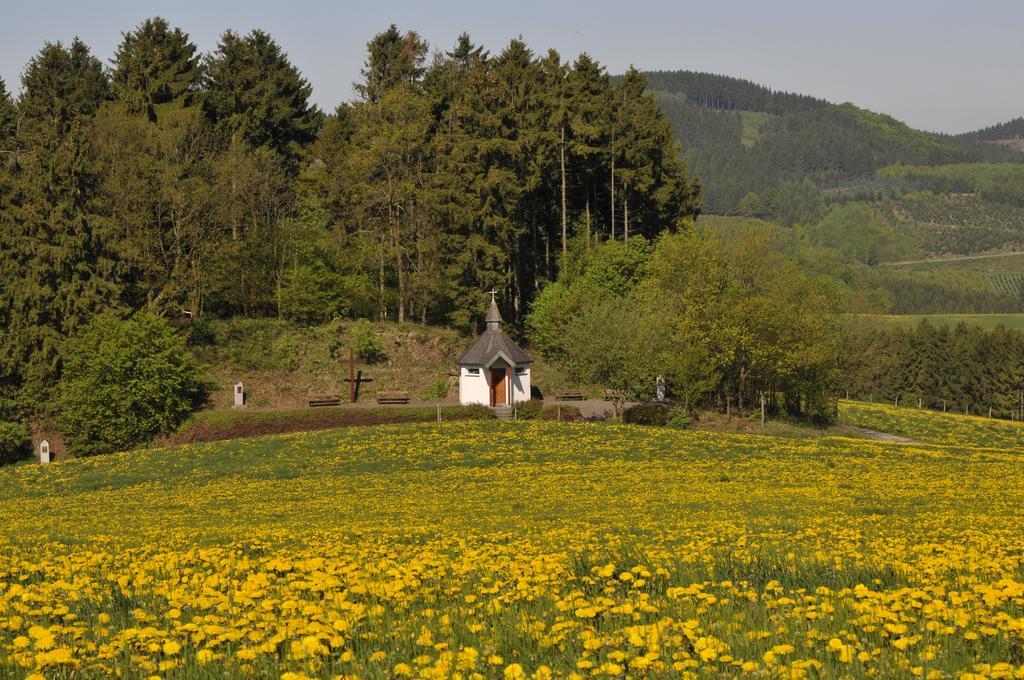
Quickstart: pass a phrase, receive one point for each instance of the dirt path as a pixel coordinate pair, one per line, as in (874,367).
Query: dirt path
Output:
(883,436)
(958,258)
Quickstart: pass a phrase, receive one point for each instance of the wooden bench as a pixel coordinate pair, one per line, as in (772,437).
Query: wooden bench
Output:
(570,395)
(393,398)
(324,400)
(615,395)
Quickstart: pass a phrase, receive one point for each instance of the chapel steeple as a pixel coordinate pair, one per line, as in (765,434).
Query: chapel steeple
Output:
(493,319)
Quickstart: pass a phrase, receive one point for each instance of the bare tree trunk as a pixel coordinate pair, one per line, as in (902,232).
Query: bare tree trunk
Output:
(613,190)
(565,223)
(625,217)
(534,253)
(381,313)
(547,254)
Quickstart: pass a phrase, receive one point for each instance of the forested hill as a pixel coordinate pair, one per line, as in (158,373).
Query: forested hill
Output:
(1010,130)
(740,137)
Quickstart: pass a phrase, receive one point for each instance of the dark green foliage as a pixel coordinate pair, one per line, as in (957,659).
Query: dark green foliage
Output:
(936,292)
(648,414)
(15,442)
(1013,129)
(994,182)
(529,410)
(365,343)
(477,412)
(155,65)
(256,96)
(394,59)
(124,382)
(680,418)
(56,268)
(961,367)
(61,86)
(739,137)
(8,126)
(201,334)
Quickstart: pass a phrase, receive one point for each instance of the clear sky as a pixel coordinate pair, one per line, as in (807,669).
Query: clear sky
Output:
(938,65)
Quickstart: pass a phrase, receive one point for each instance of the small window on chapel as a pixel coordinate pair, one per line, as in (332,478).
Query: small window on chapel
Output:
(520,371)
(473,371)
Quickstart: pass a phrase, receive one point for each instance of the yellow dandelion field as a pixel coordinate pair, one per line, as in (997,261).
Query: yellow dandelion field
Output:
(516,551)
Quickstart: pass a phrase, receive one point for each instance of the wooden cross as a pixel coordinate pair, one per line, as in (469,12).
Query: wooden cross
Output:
(353,380)
(493,293)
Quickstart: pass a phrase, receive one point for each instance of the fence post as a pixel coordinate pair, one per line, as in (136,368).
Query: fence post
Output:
(762,411)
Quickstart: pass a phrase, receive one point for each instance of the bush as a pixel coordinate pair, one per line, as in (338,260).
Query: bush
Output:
(124,382)
(529,410)
(680,418)
(200,334)
(477,412)
(437,391)
(821,409)
(365,342)
(648,414)
(15,442)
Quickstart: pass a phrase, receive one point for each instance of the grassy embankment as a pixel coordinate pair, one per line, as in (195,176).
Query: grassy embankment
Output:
(954,429)
(281,363)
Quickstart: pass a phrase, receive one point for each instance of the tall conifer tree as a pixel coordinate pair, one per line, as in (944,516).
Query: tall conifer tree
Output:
(155,65)
(55,267)
(258,97)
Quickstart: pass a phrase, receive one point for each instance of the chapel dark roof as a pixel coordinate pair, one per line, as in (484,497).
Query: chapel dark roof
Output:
(492,343)
(489,345)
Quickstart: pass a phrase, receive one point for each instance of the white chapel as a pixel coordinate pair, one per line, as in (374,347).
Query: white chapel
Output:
(494,371)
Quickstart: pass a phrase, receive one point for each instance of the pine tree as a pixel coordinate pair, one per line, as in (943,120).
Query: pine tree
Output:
(587,85)
(55,267)
(392,59)
(155,65)
(258,97)
(8,125)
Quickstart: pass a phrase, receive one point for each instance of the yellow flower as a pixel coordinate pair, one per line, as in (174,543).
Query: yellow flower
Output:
(514,672)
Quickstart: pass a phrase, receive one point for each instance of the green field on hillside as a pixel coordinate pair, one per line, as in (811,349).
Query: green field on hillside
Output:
(933,426)
(513,550)
(987,321)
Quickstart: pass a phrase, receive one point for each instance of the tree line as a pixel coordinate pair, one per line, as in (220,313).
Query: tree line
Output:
(959,368)
(179,183)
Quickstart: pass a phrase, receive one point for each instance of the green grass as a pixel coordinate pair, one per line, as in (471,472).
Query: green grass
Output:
(934,426)
(986,321)
(753,124)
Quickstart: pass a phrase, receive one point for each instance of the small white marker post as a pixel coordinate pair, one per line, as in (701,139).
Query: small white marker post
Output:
(239,395)
(44,452)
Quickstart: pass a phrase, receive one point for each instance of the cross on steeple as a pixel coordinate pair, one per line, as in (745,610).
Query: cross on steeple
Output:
(493,319)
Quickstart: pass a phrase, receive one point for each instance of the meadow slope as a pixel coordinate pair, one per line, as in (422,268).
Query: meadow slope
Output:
(515,550)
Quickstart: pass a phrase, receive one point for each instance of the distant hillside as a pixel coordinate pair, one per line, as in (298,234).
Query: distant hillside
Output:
(1003,132)
(741,137)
